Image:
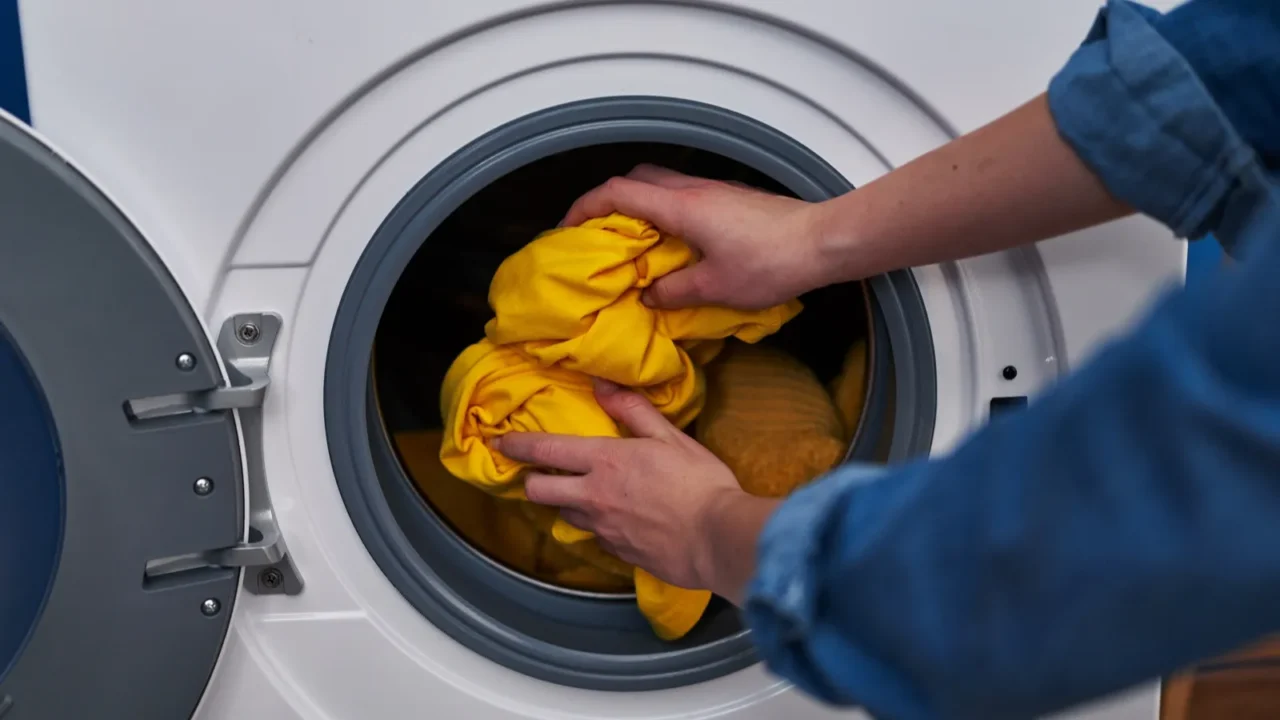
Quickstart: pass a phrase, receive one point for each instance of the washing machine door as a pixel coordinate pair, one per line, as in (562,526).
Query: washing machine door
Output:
(119,476)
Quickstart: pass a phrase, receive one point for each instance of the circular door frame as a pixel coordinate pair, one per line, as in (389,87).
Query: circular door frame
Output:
(393,520)
(101,324)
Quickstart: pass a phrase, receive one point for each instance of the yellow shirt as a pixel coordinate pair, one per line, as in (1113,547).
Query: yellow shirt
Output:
(567,308)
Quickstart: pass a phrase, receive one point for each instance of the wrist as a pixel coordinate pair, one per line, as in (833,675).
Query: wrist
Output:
(835,242)
(732,522)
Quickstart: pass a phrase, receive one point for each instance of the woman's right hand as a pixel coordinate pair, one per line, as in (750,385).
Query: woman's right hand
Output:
(757,249)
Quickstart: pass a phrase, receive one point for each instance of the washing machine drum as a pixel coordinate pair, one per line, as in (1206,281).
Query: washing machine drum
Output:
(466,561)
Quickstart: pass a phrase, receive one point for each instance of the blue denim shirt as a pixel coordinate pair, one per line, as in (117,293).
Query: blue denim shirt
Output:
(1128,522)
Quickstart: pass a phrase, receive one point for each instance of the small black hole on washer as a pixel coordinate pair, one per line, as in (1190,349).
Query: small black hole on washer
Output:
(1010,372)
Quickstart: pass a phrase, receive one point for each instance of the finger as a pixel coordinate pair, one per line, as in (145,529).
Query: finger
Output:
(665,177)
(563,491)
(607,546)
(680,289)
(560,452)
(638,199)
(749,188)
(632,410)
(577,519)
(676,180)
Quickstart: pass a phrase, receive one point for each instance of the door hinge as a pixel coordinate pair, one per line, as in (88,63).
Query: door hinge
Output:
(245,344)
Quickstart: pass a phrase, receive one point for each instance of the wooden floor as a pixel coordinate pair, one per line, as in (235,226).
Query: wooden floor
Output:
(1243,686)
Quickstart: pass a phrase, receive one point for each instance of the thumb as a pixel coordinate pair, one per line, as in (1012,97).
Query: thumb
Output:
(680,289)
(632,410)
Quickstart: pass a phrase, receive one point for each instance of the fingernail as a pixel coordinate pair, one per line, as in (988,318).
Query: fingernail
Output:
(496,443)
(605,387)
(647,299)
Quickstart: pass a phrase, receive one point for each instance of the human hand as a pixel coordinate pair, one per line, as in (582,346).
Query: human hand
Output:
(658,500)
(758,249)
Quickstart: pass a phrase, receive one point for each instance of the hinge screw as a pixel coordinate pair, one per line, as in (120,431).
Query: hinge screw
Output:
(271,578)
(210,607)
(186,362)
(248,333)
(202,486)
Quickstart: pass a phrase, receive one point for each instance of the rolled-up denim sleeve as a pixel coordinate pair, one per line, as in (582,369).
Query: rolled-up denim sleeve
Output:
(1124,525)
(1138,113)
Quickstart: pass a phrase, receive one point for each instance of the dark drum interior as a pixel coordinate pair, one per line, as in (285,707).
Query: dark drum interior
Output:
(439,306)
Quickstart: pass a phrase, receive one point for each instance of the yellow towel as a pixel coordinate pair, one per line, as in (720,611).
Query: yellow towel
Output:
(567,307)
(769,419)
(502,529)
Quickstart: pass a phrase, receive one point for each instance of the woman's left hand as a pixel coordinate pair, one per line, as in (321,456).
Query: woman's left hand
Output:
(658,500)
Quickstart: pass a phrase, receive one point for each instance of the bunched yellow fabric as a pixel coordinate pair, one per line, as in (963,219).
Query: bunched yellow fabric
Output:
(567,308)
(504,529)
(849,389)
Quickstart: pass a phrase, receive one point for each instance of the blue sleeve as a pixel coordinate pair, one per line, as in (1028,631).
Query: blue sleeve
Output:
(1123,526)
(1129,521)
(1183,138)
(1234,48)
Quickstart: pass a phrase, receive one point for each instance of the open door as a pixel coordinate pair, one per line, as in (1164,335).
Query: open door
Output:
(95,494)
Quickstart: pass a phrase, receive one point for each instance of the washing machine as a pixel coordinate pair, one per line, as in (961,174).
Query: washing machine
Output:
(225,208)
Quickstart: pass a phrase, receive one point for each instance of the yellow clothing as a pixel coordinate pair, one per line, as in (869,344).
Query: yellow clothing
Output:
(491,390)
(501,529)
(567,307)
(849,389)
(571,298)
(769,419)
(671,611)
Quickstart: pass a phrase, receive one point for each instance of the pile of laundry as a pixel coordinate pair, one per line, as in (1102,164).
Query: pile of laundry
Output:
(567,308)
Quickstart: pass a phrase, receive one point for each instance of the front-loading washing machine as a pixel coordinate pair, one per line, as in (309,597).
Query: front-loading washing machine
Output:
(244,238)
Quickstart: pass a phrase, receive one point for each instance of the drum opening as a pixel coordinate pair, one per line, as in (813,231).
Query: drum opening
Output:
(417,297)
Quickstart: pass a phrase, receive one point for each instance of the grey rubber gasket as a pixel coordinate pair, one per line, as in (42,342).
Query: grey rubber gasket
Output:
(549,635)
(100,322)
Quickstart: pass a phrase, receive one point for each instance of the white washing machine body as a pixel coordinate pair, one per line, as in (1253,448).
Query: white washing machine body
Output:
(257,148)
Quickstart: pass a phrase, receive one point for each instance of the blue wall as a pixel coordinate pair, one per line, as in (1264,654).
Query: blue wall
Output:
(13,79)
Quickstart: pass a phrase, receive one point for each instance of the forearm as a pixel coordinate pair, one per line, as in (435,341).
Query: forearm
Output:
(1012,182)
(1130,124)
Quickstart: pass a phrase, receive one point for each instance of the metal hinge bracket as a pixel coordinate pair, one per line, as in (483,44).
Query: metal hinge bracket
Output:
(245,343)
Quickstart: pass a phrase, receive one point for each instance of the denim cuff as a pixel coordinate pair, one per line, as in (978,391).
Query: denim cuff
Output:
(1137,114)
(782,599)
